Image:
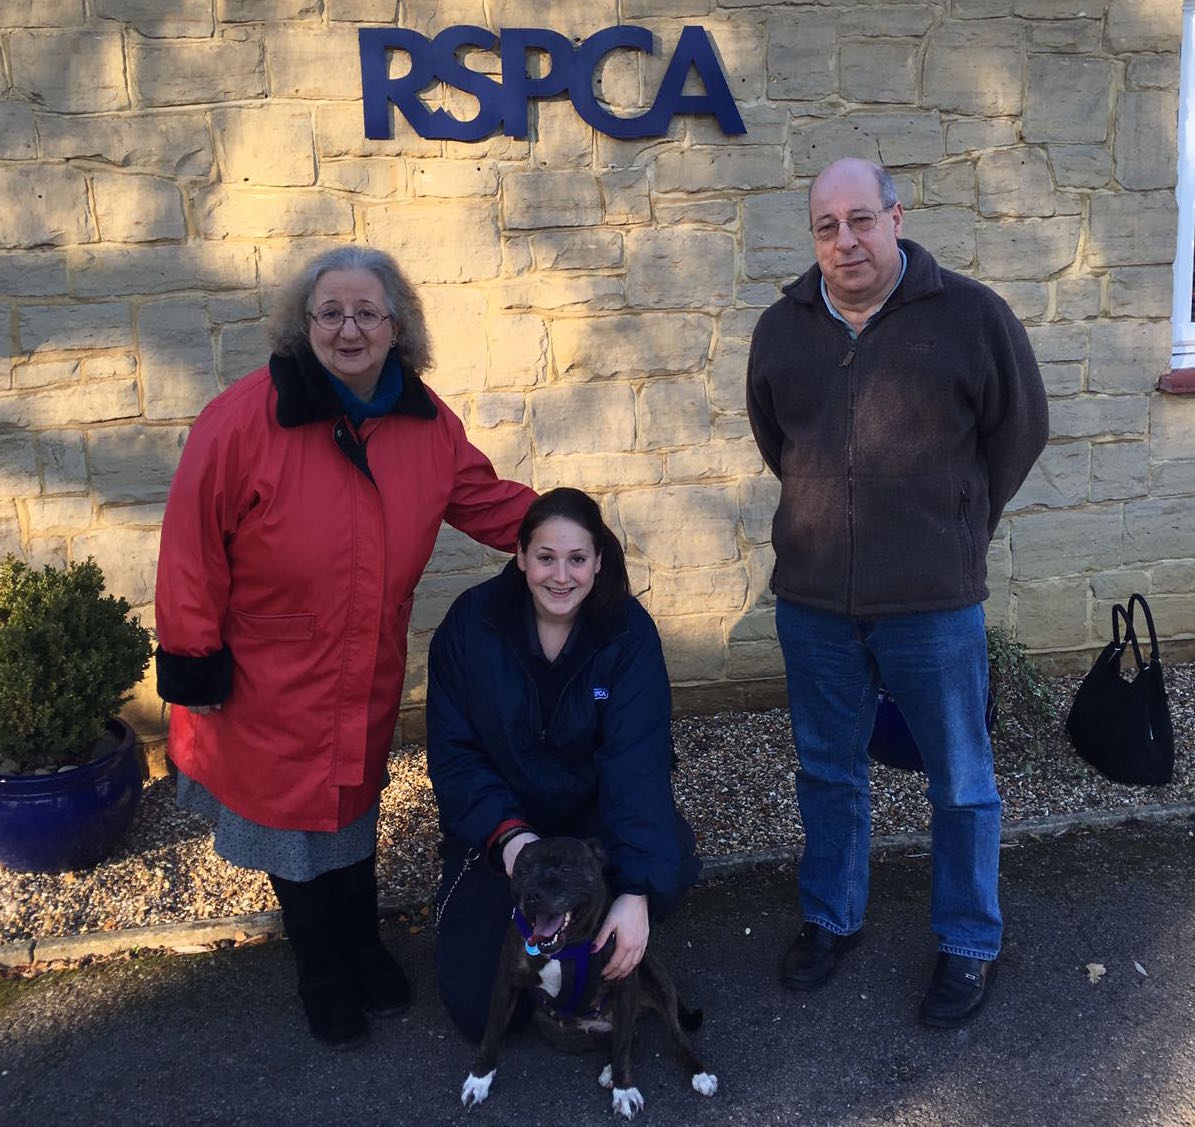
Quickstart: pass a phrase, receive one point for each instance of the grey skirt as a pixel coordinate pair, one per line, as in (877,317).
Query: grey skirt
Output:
(290,854)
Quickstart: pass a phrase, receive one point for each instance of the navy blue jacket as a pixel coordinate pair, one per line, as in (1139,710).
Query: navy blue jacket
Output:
(603,763)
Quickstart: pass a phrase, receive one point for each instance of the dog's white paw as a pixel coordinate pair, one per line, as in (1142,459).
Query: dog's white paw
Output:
(606,1078)
(706,1083)
(628,1102)
(475,1088)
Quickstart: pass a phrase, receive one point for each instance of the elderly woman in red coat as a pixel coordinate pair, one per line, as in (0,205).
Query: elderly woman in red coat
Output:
(304,510)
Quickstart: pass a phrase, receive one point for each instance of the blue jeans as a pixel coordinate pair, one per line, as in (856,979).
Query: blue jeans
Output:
(935,666)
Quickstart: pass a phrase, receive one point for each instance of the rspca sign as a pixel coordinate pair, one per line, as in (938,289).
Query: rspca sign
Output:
(503,105)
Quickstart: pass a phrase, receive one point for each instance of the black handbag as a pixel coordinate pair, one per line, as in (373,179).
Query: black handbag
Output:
(1121,726)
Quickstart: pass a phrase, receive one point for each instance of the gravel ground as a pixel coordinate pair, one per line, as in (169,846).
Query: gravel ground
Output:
(735,783)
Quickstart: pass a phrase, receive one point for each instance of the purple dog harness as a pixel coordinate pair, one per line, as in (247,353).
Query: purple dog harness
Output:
(576,955)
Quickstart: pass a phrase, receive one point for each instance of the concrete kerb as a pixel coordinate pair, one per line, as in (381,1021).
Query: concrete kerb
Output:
(200,936)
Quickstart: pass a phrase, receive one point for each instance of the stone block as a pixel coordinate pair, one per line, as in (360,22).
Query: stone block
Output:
(172,142)
(717,459)
(62,460)
(58,514)
(561,138)
(582,419)
(957,52)
(137,209)
(106,271)
(516,255)
(265,145)
(45,373)
(948,233)
(1077,298)
(898,20)
(40,273)
(532,200)
(253,11)
(1127,356)
(1094,416)
(364,176)
(1145,145)
(776,239)
(1066,35)
(1062,379)
(438,241)
(10,536)
(758,497)
(720,168)
(600,471)
(434,595)
(625,196)
(765,124)
(629,344)
(517,350)
(45,13)
(18,463)
(581,18)
(1051,614)
(177,73)
(1067,99)
(753,661)
(1050,544)
(878,71)
(75,71)
(1176,578)
(241,348)
(800,59)
(1059,478)
(690,212)
(904,138)
(495,408)
(109,366)
(1015,182)
(1119,470)
(1027,248)
(234,307)
(42,204)
(1132,229)
(340,132)
(1140,291)
(18,138)
(456,324)
(727,374)
(280,259)
(967,135)
(693,647)
(363,11)
(1080,166)
(320,62)
(662,273)
(1116,586)
(1029,301)
(717,589)
(1159,529)
(128,558)
(950,183)
(134,515)
(133,464)
(681,525)
(585,292)
(452,178)
(673,413)
(455,551)
(1150,72)
(64,328)
(1059,343)
(1143,25)
(262,214)
(180,19)
(1171,428)
(1167,479)
(177,369)
(577,250)
(86,403)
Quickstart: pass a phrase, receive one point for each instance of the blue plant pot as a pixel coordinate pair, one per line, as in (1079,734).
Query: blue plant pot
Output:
(891,741)
(72,819)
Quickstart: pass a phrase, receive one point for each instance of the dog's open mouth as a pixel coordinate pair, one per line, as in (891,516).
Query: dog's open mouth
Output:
(547,933)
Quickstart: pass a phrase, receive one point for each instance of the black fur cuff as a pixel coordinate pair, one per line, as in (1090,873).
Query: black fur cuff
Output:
(194,680)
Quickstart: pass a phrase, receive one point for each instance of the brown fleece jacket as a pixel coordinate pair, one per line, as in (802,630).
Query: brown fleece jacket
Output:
(896,451)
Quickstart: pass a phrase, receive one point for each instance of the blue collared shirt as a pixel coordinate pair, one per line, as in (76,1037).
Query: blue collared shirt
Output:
(904,265)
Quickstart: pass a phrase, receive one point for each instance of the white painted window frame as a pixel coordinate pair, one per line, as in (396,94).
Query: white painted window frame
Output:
(1183,340)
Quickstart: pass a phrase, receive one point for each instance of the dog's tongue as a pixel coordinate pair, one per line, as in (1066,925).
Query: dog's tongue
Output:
(547,926)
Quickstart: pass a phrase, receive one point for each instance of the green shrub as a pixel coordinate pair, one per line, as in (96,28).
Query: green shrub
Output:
(68,657)
(1021,688)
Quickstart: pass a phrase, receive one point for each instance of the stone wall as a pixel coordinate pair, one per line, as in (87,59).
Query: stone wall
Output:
(591,300)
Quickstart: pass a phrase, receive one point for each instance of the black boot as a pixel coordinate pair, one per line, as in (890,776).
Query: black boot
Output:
(382,988)
(309,915)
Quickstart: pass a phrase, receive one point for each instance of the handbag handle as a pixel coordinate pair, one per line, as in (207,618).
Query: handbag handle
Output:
(1130,633)
(1149,621)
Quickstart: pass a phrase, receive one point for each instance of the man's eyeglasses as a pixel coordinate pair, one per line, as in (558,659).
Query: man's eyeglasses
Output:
(860,222)
(333,319)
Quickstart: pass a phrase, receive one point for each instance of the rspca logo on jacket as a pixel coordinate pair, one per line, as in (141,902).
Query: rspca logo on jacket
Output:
(601,694)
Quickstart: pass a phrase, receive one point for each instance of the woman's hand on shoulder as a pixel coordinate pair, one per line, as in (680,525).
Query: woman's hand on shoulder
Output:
(627,922)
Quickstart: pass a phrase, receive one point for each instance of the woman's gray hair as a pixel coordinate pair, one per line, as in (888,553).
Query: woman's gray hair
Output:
(288,325)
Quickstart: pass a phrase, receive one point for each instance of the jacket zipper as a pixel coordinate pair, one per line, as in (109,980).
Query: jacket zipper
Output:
(964,507)
(848,362)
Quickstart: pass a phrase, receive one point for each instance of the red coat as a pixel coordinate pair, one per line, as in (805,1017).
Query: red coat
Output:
(289,559)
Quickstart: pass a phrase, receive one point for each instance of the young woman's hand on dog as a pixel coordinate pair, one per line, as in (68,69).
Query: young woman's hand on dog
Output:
(627,922)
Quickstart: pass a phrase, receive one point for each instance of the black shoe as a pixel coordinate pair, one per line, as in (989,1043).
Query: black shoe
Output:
(957,991)
(333,1013)
(381,987)
(813,956)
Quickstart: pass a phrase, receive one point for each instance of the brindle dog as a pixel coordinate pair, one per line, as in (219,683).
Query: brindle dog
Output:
(561,899)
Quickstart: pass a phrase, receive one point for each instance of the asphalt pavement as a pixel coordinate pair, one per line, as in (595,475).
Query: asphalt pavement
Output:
(218,1038)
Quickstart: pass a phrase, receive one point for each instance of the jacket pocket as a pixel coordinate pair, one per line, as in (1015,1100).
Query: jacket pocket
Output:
(964,516)
(270,627)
